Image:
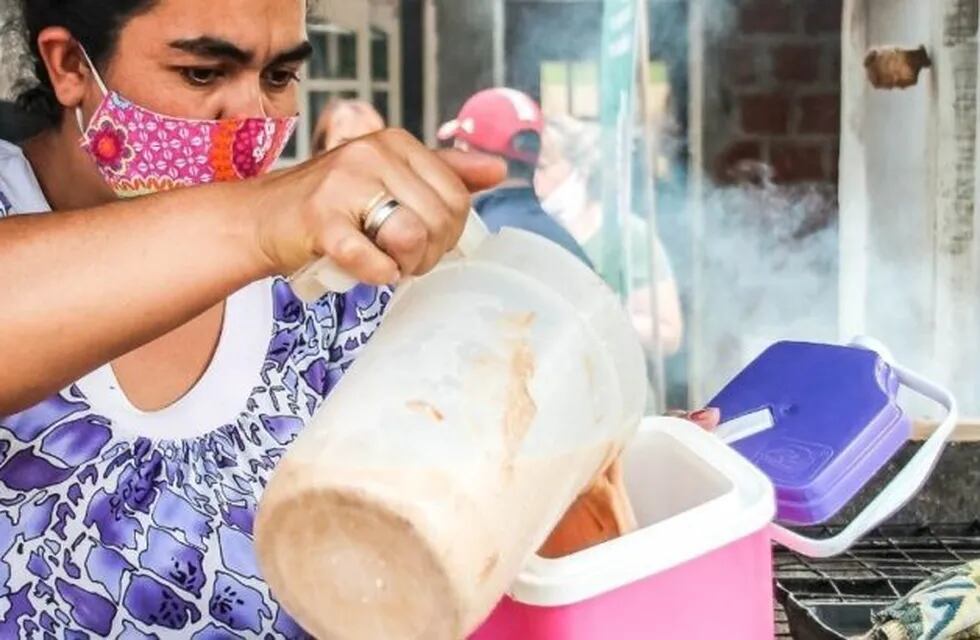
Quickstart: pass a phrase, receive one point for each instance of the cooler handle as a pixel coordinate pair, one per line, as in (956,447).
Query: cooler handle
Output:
(323,276)
(903,486)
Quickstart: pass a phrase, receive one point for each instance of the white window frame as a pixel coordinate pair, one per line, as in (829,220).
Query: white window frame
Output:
(360,18)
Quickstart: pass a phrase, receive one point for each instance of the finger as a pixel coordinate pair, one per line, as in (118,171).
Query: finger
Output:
(477,171)
(346,245)
(405,238)
(419,199)
(444,180)
(444,184)
(707,419)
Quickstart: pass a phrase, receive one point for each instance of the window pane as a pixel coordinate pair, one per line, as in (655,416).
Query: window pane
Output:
(347,55)
(379,54)
(317,100)
(660,117)
(318,61)
(554,88)
(380,101)
(585,90)
(334,52)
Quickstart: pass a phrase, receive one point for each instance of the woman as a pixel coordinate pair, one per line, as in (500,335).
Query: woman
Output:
(344,120)
(153,362)
(566,181)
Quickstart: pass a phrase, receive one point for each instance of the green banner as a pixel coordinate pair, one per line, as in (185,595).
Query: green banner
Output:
(617,119)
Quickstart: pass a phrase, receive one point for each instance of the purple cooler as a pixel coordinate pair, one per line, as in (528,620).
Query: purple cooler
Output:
(832,422)
(837,423)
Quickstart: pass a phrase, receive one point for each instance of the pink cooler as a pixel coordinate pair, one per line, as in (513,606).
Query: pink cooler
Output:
(700,566)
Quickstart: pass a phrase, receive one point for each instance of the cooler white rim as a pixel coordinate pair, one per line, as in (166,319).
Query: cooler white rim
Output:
(666,544)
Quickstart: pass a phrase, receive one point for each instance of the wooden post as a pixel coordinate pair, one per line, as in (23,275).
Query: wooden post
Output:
(954,179)
(656,356)
(697,394)
(499,43)
(430,73)
(854,197)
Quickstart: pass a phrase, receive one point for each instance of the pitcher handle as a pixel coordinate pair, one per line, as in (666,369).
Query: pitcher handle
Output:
(903,486)
(323,276)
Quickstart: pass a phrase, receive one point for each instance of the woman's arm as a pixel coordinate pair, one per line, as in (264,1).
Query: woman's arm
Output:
(83,287)
(80,288)
(669,318)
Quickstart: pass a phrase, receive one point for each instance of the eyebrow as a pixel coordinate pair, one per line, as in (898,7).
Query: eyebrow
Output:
(219,48)
(211,47)
(299,53)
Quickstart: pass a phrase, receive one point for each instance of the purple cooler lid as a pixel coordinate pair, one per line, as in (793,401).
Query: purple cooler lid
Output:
(836,423)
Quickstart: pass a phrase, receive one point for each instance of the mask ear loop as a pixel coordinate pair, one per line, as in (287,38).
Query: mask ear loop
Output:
(79,117)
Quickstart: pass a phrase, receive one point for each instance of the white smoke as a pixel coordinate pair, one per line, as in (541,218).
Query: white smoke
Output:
(769,265)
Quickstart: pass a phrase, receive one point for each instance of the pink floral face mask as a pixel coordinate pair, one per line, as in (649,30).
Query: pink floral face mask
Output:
(138,151)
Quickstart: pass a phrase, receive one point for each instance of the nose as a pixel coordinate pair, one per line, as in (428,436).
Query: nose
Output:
(245,100)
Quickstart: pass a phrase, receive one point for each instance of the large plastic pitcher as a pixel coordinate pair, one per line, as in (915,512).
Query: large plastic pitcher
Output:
(496,388)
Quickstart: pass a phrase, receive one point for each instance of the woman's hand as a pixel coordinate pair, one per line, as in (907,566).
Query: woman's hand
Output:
(318,208)
(707,419)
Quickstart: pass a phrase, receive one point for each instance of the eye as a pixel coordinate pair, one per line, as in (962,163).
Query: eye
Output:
(281,78)
(201,76)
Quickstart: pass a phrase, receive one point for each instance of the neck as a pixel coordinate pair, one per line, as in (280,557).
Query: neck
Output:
(67,176)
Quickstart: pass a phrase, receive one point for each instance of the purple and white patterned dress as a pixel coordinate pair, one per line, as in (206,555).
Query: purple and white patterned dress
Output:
(123,524)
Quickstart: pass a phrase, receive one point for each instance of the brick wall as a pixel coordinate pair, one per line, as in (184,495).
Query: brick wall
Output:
(771,97)
(779,89)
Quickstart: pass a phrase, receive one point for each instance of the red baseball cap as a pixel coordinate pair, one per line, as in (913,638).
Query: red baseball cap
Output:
(491,118)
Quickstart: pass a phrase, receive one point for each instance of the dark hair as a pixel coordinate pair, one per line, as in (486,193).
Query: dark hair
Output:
(93,23)
(527,142)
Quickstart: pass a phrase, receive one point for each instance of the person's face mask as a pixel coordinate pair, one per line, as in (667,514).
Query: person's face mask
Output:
(138,151)
(568,199)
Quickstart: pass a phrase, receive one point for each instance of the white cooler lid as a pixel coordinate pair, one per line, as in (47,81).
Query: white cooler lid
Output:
(694,494)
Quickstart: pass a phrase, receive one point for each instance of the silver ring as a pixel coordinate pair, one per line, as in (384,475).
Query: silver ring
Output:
(378,215)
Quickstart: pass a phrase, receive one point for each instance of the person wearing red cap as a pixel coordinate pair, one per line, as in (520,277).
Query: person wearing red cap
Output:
(508,124)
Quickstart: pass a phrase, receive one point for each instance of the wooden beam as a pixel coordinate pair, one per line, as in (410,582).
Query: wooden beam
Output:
(954,130)
(430,73)
(854,196)
(697,394)
(499,43)
(966,430)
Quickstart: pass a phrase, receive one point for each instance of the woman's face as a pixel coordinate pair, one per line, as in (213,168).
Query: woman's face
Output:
(210,59)
(553,167)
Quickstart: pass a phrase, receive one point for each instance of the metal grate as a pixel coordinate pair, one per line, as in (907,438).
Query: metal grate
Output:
(782,624)
(878,570)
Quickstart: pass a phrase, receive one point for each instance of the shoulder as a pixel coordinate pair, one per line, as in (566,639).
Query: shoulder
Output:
(507,206)
(19,189)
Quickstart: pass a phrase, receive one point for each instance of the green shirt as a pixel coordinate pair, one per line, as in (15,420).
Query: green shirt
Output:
(639,259)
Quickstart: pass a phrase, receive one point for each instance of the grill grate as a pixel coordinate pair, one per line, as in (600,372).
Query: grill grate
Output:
(782,624)
(878,570)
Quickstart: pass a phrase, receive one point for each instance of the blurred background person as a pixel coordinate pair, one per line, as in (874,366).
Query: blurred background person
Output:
(568,181)
(508,124)
(343,120)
